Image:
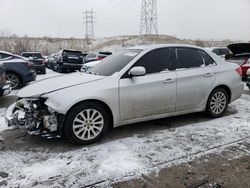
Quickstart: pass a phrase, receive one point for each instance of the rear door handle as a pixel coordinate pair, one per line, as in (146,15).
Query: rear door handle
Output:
(169,81)
(208,74)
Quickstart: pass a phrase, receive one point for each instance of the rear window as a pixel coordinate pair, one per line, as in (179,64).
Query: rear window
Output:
(33,55)
(4,56)
(91,56)
(72,53)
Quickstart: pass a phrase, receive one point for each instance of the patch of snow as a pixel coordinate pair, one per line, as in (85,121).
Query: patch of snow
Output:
(129,156)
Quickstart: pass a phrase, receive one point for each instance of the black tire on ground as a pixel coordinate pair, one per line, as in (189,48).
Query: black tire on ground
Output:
(59,69)
(15,80)
(85,134)
(44,71)
(217,103)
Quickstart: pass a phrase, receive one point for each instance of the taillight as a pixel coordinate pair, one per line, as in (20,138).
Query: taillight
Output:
(239,71)
(99,58)
(29,64)
(245,62)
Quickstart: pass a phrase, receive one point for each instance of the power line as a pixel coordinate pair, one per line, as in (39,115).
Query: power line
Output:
(88,20)
(149,22)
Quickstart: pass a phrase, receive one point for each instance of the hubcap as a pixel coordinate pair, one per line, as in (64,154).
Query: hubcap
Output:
(13,80)
(218,103)
(88,124)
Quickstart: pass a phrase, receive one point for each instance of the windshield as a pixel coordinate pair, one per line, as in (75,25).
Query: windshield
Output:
(115,63)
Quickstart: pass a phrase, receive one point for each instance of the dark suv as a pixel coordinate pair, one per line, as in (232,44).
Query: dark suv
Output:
(5,88)
(37,59)
(69,60)
(19,71)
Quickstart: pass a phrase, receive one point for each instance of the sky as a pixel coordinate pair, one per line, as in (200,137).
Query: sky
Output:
(189,19)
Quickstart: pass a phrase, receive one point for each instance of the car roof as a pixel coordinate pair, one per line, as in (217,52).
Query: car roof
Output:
(4,52)
(155,46)
(31,53)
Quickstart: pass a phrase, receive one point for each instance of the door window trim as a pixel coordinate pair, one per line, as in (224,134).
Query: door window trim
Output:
(173,64)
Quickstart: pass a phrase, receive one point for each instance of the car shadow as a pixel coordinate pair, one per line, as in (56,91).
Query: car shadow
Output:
(18,140)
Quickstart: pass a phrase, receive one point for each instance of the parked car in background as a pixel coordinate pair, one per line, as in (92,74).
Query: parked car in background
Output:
(220,51)
(96,56)
(89,66)
(37,59)
(68,60)
(248,78)
(18,70)
(52,61)
(134,85)
(240,55)
(5,86)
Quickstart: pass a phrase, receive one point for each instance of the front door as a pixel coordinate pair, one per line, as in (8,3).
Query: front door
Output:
(152,94)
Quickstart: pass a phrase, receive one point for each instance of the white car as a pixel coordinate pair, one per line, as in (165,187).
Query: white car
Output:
(220,51)
(88,66)
(134,85)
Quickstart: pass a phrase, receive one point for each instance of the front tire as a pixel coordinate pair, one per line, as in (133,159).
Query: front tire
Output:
(217,103)
(86,123)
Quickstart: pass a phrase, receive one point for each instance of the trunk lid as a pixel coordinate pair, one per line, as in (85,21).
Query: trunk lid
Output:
(239,48)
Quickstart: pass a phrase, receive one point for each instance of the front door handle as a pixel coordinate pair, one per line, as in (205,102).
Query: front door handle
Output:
(169,81)
(208,74)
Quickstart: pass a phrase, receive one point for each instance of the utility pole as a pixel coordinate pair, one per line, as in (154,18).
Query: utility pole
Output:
(88,20)
(149,23)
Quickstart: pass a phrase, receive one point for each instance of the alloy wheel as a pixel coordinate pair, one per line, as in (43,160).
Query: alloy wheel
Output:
(13,80)
(218,102)
(88,124)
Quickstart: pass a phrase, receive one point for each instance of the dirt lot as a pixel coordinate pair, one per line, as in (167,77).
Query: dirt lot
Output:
(208,171)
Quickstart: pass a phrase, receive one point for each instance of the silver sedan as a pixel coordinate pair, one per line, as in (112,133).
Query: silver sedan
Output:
(134,85)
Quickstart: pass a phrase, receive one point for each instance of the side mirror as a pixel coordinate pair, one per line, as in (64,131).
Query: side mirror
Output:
(137,71)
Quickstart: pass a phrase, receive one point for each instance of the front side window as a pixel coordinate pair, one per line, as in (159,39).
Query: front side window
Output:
(156,61)
(189,58)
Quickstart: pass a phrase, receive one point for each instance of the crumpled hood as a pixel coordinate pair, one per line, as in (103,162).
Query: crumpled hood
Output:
(52,84)
(239,48)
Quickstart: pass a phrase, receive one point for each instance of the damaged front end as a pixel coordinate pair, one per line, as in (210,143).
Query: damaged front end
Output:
(35,116)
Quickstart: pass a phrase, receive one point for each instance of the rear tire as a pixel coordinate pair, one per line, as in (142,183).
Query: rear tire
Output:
(14,79)
(217,103)
(86,123)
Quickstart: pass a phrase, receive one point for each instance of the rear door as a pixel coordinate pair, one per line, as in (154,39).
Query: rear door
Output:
(152,94)
(195,78)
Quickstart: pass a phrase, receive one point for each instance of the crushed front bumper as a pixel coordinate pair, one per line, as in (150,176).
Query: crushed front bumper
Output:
(37,121)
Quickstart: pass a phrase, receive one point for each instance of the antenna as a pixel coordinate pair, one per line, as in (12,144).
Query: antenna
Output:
(149,23)
(88,20)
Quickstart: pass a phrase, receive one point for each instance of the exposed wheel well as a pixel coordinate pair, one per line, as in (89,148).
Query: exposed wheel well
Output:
(227,90)
(111,119)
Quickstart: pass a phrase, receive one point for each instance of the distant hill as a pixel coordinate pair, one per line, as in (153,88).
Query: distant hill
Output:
(48,45)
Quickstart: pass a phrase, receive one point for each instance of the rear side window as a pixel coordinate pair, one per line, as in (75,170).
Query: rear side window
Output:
(156,61)
(189,58)
(207,58)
